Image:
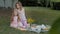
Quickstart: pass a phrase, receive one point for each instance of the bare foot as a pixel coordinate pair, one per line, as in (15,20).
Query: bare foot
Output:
(22,28)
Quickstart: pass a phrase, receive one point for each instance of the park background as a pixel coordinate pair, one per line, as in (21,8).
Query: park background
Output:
(42,11)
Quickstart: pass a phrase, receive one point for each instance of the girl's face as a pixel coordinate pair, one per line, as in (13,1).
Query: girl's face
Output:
(18,6)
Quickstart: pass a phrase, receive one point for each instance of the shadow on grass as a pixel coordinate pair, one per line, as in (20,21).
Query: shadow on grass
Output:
(55,27)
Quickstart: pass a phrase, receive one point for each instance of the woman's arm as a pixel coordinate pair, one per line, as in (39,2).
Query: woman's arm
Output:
(24,14)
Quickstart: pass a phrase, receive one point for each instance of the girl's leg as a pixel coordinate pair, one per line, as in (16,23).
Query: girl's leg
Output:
(14,22)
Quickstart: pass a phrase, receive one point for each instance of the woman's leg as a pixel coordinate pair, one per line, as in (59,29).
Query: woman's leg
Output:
(24,22)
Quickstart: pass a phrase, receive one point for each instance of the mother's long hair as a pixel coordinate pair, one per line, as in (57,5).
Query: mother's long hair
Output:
(20,4)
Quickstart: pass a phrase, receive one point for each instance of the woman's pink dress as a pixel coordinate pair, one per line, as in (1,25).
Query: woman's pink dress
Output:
(23,20)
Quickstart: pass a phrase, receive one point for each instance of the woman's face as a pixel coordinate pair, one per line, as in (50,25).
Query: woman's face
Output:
(17,6)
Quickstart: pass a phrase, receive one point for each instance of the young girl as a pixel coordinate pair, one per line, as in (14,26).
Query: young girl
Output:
(18,18)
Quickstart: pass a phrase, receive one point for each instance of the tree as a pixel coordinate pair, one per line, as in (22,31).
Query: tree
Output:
(13,3)
(4,3)
(47,2)
(39,2)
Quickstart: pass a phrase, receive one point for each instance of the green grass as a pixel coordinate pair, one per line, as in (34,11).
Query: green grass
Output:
(55,27)
(55,0)
(40,14)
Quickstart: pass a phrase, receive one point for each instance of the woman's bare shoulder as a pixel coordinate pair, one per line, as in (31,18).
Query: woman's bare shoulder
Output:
(23,8)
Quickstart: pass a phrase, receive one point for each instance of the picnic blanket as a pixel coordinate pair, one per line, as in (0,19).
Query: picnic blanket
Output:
(37,28)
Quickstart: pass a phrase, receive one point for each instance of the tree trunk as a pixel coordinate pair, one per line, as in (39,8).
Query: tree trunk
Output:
(47,2)
(4,3)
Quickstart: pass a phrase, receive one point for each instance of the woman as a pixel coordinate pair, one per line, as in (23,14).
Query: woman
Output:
(18,18)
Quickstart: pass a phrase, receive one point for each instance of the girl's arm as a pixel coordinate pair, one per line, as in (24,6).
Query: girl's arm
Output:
(14,13)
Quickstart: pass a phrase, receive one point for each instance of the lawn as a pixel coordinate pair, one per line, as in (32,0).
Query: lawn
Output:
(55,0)
(40,14)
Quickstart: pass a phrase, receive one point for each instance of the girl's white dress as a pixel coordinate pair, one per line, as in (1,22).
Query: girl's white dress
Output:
(23,20)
